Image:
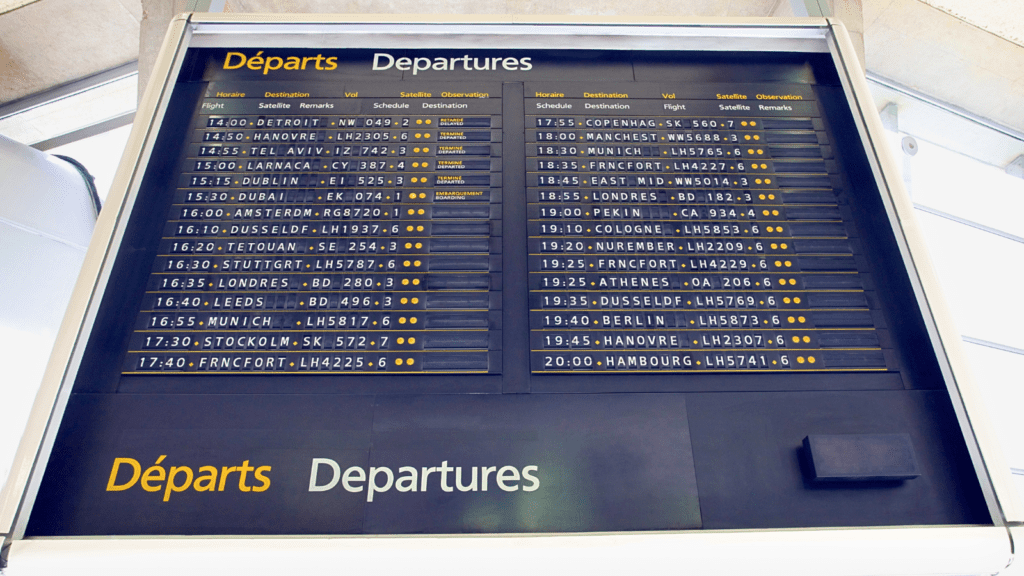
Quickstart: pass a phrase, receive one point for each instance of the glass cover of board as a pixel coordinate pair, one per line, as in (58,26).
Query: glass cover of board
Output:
(503,291)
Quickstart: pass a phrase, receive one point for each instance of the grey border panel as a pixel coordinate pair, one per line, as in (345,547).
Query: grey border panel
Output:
(984,451)
(525,36)
(33,453)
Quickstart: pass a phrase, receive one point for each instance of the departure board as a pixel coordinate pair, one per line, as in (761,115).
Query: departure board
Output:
(495,290)
(670,231)
(670,228)
(333,234)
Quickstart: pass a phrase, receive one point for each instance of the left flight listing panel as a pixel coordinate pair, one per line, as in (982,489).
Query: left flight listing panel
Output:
(318,233)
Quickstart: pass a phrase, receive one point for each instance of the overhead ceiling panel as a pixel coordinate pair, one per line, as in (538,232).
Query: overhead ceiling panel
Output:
(1001,17)
(52,42)
(952,60)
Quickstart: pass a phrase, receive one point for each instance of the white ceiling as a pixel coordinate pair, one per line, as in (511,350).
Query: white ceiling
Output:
(1003,18)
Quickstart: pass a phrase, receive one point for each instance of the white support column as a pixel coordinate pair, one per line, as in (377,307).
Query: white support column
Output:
(156,15)
(1016,168)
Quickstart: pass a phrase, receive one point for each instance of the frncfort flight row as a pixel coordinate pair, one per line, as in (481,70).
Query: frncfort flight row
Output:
(536,164)
(490,361)
(461,362)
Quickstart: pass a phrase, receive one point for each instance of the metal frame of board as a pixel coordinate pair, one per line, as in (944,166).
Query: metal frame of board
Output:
(892,550)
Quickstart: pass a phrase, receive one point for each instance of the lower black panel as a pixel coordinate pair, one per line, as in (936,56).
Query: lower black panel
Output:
(751,470)
(482,463)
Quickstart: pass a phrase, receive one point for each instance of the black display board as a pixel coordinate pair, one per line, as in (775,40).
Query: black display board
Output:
(384,291)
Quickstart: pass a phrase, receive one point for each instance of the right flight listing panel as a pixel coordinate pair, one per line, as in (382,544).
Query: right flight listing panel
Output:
(685,228)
